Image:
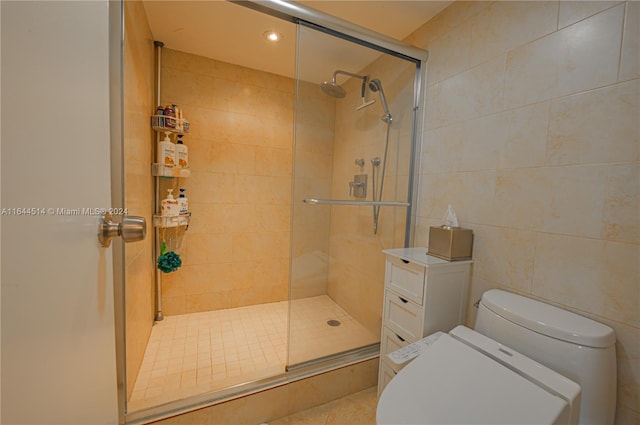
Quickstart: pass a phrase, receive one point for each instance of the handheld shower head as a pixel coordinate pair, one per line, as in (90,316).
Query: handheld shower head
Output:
(376,86)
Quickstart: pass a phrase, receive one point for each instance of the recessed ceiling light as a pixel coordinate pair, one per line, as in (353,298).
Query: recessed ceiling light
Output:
(272,36)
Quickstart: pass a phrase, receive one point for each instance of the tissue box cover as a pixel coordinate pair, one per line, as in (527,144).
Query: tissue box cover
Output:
(450,243)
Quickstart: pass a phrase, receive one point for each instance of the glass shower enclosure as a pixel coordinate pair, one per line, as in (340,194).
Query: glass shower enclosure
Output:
(354,140)
(354,149)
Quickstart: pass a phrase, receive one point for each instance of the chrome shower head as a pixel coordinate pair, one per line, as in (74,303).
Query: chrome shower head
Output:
(333,89)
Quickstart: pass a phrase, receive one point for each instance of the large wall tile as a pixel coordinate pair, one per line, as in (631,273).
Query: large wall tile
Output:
(505,25)
(574,11)
(526,136)
(548,180)
(449,55)
(596,126)
(630,60)
(590,275)
(474,93)
(580,57)
(138,147)
(506,256)
(240,186)
(484,143)
(522,197)
(621,212)
(442,149)
(575,202)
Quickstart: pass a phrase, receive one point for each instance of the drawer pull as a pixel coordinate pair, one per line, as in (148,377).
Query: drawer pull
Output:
(405,261)
(399,337)
(403,300)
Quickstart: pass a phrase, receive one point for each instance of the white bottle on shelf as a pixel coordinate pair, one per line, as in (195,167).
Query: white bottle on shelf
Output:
(169,206)
(183,202)
(182,153)
(166,152)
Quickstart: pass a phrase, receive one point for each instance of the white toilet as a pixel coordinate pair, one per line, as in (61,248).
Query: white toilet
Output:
(526,363)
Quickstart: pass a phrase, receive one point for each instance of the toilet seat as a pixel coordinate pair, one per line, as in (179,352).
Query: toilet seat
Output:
(467,378)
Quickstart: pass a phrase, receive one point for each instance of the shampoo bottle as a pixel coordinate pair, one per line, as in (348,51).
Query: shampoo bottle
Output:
(166,152)
(183,202)
(169,206)
(182,153)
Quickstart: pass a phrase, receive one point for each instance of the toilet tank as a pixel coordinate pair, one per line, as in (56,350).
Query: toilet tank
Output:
(579,348)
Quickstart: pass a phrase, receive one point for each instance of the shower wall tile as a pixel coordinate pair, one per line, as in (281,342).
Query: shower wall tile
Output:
(547,175)
(356,277)
(630,60)
(272,162)
(239,191)
(138,150)
(315,129)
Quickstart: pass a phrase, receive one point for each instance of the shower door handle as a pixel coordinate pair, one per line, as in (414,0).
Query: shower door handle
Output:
(131,229)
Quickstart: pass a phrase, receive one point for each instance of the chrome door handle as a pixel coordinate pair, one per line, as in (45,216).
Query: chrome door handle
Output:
(132,229)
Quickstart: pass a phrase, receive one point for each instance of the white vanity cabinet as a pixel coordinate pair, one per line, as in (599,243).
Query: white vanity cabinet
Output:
(423,295)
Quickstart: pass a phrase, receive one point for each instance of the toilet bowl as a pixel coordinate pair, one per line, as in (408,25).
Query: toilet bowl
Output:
(525,363)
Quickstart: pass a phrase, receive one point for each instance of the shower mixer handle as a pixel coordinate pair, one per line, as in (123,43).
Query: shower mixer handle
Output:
(360,162)
(358,187)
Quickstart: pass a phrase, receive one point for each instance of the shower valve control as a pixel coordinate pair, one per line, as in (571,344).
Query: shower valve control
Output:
(358,187)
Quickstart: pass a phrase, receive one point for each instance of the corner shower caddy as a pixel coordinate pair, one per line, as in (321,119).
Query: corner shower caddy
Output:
(167,171)
(161,223)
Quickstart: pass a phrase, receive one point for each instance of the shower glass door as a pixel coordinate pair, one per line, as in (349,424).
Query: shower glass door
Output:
(354,132)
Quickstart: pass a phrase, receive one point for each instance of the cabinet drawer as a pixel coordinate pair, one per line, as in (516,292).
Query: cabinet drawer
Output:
(385,375)
(403,316)
(407,279)
(392,341)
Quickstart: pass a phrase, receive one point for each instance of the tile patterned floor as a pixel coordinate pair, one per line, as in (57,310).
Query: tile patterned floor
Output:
(354,409)
(201,352)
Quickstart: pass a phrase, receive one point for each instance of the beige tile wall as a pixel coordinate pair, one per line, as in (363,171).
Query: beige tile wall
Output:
(356,279)
(236,251)
(138,149)
(313,162)
(532,134)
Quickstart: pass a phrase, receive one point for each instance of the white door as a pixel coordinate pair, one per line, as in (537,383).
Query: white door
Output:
(58,334)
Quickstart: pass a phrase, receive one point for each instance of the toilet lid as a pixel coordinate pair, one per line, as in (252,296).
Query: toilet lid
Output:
(452,383)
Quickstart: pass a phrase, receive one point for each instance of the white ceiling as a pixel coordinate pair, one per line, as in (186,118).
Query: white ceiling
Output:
(227,32)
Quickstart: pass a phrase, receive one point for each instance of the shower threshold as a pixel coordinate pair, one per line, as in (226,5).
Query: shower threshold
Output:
(201,359)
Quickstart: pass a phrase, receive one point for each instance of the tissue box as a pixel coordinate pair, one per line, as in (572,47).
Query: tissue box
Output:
(450,243)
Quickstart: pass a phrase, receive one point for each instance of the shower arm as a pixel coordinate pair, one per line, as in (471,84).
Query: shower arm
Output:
(364,78)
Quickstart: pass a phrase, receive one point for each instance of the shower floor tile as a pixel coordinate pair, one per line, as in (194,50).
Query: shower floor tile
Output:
(200,352)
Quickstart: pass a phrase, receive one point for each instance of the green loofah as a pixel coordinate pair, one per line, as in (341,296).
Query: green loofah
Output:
(168,261)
